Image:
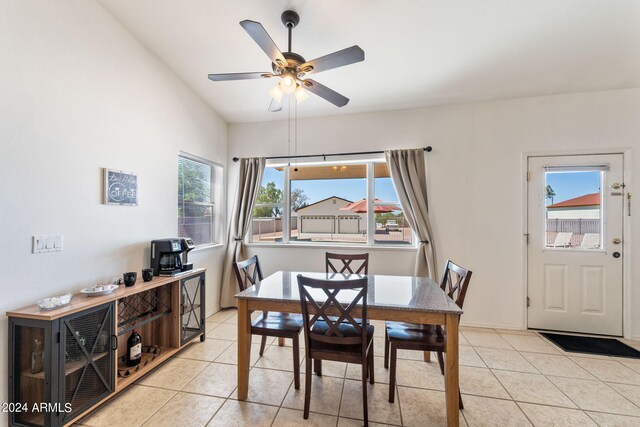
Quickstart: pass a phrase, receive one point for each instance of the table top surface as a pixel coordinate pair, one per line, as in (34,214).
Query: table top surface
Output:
(388,292)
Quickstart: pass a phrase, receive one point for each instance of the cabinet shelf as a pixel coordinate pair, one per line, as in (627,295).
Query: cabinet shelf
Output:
(70,367)
(186,308)
(148,363)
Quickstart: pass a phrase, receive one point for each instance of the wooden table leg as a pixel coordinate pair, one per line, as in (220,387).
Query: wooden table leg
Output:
(244,348)
(451,380)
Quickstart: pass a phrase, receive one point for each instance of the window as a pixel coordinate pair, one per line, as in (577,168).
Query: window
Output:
(328,203)
(197,180)
(573,213)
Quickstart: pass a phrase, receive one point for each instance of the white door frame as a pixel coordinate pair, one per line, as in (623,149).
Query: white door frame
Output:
(627,332)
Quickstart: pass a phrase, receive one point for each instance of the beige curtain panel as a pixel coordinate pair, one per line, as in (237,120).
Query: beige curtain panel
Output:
(249,179)
(408,173)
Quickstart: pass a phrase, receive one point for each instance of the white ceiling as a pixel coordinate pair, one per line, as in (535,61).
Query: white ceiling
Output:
(417,52)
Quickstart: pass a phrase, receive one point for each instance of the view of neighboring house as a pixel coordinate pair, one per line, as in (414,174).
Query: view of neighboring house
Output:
(583,207)
(574,219)
(329,216)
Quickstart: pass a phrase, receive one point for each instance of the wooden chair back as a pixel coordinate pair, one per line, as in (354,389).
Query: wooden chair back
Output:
(248,272)
(313,311)
(342,263)
(455,282)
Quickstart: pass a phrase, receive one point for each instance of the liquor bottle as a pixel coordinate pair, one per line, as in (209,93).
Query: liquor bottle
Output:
(37,357)
(102,339)
(134,349)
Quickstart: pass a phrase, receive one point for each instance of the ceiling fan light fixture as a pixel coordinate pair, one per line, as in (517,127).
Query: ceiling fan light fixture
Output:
(288,84)
(301,94)
(276,93)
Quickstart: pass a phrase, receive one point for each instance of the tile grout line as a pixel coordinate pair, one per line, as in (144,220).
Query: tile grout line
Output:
(519,404)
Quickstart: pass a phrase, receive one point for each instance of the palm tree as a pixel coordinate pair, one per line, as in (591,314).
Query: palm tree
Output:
(550,193)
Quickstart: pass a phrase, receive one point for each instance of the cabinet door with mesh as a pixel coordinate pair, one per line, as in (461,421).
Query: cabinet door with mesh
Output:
(31,400)
(192,314)
(87,359)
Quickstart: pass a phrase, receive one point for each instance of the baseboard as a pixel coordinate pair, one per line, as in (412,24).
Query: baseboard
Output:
(492,326)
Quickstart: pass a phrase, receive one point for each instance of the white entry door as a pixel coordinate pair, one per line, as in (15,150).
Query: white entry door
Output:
(575,211)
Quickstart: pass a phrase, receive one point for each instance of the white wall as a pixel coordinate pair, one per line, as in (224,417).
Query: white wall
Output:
(79,93)
(476,177)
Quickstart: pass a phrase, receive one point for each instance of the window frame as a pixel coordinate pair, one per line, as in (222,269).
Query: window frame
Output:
(216,172)
(285,205)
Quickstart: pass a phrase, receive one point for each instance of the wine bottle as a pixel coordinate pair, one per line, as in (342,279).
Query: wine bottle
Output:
(134,349)
(37,358)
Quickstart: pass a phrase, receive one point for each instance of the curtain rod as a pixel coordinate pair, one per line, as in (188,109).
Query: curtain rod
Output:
(235,159)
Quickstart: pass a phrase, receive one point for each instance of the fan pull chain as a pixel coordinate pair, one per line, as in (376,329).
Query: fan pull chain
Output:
(295,146)
(289,132)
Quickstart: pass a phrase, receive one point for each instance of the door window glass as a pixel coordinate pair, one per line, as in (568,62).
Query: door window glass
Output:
(573,213)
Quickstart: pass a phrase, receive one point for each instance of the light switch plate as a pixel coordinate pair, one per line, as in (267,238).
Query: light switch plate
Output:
(46,243)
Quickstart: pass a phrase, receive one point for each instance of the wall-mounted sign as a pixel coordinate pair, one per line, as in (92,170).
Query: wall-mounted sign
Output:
(120,188)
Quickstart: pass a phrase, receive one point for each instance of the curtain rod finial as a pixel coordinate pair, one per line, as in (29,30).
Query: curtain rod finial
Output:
(236,159)
(428,148)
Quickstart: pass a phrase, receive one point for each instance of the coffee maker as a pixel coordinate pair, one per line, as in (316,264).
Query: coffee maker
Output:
(187,246)
(166,257)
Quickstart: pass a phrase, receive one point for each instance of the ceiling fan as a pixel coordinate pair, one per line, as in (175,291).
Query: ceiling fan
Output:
(291,67)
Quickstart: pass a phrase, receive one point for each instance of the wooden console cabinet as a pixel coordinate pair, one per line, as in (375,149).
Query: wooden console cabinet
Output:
(66,362)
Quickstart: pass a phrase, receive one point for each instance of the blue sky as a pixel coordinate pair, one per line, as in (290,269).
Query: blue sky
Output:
(568,185)
(350,189)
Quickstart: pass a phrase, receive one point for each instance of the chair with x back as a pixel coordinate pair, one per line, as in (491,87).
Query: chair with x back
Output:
(411,336)
(270,324)
(343,264)
(341,339)
(347,264)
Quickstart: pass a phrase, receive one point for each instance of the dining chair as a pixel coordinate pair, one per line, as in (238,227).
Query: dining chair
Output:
(341,263)
(343,339)
(270,324)
(427,338)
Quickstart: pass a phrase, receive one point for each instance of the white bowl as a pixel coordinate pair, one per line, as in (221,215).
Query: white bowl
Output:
(54,302)
(96,291)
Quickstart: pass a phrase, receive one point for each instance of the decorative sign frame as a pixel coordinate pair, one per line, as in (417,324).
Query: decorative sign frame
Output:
(120,188)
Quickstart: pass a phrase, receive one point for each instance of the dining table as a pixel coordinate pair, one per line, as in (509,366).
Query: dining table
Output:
(393,298)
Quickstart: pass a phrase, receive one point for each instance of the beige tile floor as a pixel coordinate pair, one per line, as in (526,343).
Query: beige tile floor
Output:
(508,378)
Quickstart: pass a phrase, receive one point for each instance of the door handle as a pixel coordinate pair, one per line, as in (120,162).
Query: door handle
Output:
(616,241)
(616,254)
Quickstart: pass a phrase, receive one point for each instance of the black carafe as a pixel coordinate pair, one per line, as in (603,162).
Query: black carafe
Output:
(134,349)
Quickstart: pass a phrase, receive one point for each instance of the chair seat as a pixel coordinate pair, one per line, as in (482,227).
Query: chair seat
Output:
(276,321)
(412,332)
(347,330)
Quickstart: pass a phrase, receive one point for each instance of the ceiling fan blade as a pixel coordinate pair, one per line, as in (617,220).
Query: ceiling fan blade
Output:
(260,36)
(337,59)
(324,92)
(274,106)
(238,76)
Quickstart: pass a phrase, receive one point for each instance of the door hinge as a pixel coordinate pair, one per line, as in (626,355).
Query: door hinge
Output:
(528,176)
(528,302)
(527,236)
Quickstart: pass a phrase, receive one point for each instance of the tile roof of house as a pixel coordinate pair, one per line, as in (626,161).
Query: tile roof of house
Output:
(592,199)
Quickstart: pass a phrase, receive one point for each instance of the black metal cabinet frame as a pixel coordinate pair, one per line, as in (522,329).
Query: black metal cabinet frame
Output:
(94,372)
(192,308)
(50,366)
(98,370)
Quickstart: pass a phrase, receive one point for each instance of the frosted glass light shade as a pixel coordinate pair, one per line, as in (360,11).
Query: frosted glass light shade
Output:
(276,93)
(301,94)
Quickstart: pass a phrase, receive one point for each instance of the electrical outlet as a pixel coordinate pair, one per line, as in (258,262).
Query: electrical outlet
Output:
(46,243)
